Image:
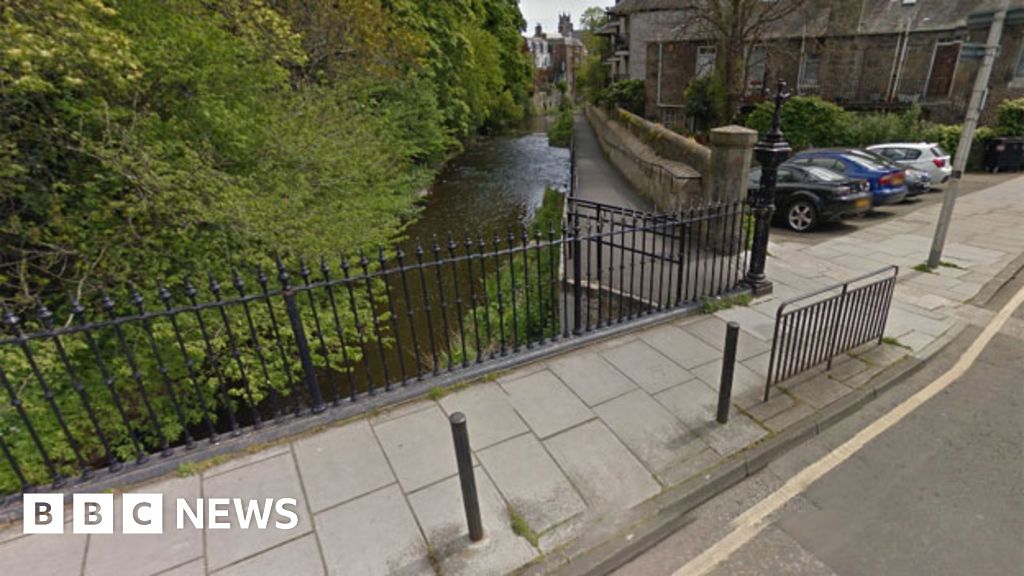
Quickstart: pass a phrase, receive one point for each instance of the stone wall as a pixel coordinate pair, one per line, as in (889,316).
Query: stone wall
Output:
(671,170)
(669,184)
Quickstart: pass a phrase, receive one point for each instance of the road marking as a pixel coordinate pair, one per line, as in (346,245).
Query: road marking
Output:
(749,524)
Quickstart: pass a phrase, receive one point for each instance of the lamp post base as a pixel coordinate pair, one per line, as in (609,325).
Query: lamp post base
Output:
(759,286)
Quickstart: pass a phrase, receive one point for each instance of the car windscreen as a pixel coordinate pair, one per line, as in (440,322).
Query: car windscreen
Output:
(937,151)
(823,174)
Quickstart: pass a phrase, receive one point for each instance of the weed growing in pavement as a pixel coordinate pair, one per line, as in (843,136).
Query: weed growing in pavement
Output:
(522,528)
(712,305)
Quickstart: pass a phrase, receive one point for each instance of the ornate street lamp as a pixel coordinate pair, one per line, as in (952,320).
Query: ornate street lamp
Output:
(771,151)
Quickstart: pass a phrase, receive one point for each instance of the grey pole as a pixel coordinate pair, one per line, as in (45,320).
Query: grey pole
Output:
(732,334)
(467,480)
(963,149)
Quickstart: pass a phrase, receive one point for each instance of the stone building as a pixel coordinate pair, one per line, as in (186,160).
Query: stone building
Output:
(557,57)
(863,54)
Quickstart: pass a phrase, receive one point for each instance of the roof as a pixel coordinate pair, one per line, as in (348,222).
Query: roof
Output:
(886,16)
(631,6)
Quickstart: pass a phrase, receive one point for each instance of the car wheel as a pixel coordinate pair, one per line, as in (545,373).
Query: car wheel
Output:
(802,216)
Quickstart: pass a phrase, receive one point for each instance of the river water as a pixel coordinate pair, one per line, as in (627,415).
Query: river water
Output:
(496,184)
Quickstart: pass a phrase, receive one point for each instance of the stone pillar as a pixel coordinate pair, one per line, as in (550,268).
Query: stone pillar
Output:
(725,185)
(731,150)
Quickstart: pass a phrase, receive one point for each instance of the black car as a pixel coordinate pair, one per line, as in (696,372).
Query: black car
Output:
(805,196)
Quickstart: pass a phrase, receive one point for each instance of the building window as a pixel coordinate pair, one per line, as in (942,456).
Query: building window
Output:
(1018,73)
(945,59)
(809,70)
(756,67)
(705,61)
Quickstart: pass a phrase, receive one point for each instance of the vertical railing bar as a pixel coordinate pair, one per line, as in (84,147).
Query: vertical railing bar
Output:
(474,304)
(600,268)
(316,402)
(234,351)
(382,261)
(12,322)
(76,384)
(16,402)
(78,312)
(501,300)
(261,279)
(513,292)
(482,251)
(305,272)
(257,346)
(25,486)
(108,305)
(325,272)
(371,389)
(165,378)
(773,354)
(364,264)
(525,240)
(632,268)
(458,299)
(837,320)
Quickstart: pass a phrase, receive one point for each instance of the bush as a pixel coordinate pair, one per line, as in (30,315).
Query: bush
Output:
(1010,118)
(627,94)
(560,131)
(705,102)
(807,121)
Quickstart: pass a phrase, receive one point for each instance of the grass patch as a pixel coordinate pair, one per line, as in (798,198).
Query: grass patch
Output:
(522,528)
(438,392)
(186,469)
(712,305)
(894,342)
(923,267)
(953,265)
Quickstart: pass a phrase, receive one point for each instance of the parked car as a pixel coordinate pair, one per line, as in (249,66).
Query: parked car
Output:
(918,182)
(887,181)
(805,196)
(929,158)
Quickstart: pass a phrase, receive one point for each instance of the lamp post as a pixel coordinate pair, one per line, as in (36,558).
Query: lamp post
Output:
(770,151)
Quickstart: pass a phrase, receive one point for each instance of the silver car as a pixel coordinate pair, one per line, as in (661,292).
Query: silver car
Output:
(928,158)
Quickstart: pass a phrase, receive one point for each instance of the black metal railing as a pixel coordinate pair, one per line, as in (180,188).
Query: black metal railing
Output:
(623,263)
(815,328)
(124,377)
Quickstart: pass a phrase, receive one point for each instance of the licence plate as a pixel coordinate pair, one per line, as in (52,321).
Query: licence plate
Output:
(863,203)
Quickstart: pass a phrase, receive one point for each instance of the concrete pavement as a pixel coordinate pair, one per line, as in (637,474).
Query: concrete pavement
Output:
(570,450)
(939,493)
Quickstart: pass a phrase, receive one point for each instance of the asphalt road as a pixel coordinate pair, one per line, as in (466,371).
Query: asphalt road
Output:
(940,493)
(971,183)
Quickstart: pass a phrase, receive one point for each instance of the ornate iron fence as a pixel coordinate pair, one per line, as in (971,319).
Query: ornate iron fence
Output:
(100,385)
(817,327)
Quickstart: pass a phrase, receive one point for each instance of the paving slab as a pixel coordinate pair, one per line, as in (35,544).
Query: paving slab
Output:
(648,368)
(340,464)
(686,469)
(693,402)
(490,416)
(744,380)
(273,478)
(601,467)
(680,346)
(419,447)
(44,554)
(776,405)
(375,535)
(712,331)
(300,557)
(149,553)
(739,433)
(819,392)
(194,568)
(650,431)
(440,512)
(531,482)
(591,377)
(785,419)
(546,404)
(751,319)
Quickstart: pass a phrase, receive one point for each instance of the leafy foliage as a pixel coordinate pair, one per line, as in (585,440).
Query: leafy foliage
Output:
(1010,117)
(143,140)
(629,95)
(560,130)
(706,102)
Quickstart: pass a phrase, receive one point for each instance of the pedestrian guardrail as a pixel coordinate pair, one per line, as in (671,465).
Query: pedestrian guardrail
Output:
(816,327)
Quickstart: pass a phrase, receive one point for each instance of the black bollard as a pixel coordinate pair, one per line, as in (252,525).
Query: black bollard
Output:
(466,478)
(732,334)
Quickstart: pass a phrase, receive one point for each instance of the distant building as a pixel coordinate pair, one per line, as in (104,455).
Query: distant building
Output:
(866,54)
(557,57)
